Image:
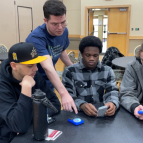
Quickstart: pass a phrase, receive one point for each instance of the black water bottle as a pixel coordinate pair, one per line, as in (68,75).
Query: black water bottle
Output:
(40,125)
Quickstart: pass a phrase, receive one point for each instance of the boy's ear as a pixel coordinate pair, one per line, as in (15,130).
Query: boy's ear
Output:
(13,65)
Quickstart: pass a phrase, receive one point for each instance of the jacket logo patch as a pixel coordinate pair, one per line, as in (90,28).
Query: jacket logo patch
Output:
(14,56)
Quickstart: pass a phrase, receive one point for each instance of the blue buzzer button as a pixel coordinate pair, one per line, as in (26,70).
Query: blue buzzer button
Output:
(76,121)
(140,112)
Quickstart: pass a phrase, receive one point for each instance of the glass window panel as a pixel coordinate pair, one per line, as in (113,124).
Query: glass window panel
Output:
(95,21)
(95,34)
(104,27)
(105,34)
(105,21)
(95,28)
(104,39)
(104,46)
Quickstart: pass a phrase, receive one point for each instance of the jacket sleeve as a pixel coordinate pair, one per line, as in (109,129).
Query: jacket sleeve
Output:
(68,82)
(50,95)
(128,91)
(111,90)
(17,114)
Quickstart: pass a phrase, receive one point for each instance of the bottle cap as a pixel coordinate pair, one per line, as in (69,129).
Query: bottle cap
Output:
(39,94)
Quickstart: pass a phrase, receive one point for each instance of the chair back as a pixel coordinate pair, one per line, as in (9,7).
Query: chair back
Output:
(3,48)
(71,55)
(79,56)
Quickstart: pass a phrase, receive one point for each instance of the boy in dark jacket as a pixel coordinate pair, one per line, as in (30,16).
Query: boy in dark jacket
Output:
(18,80)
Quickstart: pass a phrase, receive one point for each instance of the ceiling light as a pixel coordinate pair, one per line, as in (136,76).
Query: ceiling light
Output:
(97,9)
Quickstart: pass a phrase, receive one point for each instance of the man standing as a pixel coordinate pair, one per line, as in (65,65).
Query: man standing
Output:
(88,81)
(18,80)
(51,40)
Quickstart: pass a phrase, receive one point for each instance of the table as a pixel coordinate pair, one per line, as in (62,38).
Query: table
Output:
(123,61)
(3,56)
(123,127)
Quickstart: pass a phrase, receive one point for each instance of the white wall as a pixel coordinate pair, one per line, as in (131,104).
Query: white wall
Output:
(73,16)
(38,15)
(9,21)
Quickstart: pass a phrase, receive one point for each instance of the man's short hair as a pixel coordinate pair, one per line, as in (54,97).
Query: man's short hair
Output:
(90,41)
(138,51)
(53,7)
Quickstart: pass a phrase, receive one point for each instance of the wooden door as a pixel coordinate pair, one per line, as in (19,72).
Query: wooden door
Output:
(90,23)
(117,29)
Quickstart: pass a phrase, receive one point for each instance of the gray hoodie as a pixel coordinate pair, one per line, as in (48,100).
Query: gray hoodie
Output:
(131,89)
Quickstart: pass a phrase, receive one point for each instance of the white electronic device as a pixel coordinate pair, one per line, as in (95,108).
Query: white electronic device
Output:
(102,110)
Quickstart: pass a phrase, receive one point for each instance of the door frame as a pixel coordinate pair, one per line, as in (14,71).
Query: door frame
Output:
(18,18)
(111,6)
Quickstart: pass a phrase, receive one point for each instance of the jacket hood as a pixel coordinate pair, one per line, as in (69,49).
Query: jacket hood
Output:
(6,71)
(139,60)
(136,63)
